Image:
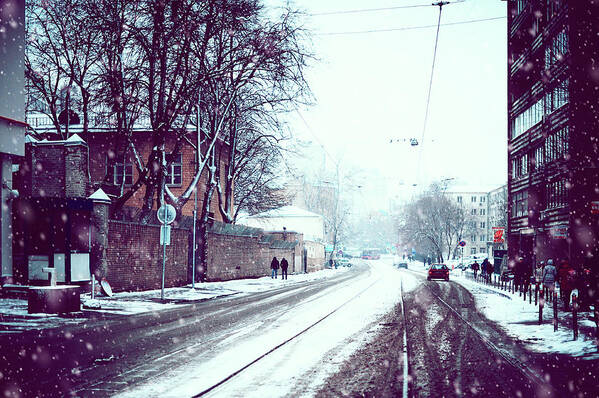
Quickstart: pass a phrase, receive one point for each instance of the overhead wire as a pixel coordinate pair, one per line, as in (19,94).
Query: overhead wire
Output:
(428,98)
(363,10)
(408,27)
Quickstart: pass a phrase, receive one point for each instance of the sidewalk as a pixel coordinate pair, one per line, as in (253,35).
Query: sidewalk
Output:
(519,318)
(15,319)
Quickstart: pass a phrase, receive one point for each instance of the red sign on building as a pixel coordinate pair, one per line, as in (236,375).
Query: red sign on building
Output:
(498,234)
(595,207)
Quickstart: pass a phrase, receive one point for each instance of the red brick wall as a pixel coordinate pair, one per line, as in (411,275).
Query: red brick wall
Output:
(234,257)
(135,257)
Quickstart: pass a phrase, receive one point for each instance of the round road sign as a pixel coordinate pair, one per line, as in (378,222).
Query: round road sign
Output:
(166,214)
(462,243)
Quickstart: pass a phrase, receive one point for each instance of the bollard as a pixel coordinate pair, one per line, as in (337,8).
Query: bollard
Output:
(575,316)
(555,311)
(524,291)
(530,293)
(541,305)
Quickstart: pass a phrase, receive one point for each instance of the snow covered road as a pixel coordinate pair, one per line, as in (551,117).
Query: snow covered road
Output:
(317,333)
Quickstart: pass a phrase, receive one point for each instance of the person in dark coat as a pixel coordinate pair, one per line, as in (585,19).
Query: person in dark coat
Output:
(487,269)
(475,267)
(567,281)
(274,265)
(284,266)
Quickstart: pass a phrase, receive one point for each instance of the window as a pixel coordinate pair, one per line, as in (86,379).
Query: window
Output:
(174,171)
(553,7)
(473,199)
(527,118)
(556,145)
(520,166)
(482,238)
(459,199)
(482,224)
(520,204)
(482,212)
(556,49)
(473,250)
(482,250)
(473,238)
(557,97)
(119,171)
(557,194)
(473,212)
(538,157)
(483,199)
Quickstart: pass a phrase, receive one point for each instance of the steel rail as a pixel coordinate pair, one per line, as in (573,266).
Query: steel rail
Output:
(238,371)
(510,359)
(406,371)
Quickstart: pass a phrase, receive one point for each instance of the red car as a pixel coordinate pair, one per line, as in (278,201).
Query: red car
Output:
(438,271)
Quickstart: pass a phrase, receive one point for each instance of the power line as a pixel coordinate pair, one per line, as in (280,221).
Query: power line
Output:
(430,86)
(369,10)
(408,27)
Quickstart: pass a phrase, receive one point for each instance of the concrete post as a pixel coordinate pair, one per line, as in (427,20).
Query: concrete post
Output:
(6,197)
(99,234)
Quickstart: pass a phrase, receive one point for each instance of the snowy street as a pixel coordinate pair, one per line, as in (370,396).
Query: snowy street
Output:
(184,351)
(330,336)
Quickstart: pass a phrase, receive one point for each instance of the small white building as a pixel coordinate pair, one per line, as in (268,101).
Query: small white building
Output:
(290,218)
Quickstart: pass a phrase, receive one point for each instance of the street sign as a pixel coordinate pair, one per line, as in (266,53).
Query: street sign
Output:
(498,234)
(328,248)
(559,232)
(165,235)
(595,207)
(462,243)
(166,214)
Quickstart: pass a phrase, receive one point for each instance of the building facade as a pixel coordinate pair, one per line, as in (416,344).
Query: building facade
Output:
(553,130)
(476,210)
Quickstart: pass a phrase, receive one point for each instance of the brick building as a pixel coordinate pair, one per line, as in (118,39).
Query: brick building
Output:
(553,130)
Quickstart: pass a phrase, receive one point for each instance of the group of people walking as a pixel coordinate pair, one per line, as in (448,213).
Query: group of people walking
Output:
(274,266)
(547,275)
(486,269)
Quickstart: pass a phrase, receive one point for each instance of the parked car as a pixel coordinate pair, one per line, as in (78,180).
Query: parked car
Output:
(438,271)
(343,262)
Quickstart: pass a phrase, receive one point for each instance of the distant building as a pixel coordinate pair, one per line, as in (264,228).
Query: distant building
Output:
(476,208)
(553,130)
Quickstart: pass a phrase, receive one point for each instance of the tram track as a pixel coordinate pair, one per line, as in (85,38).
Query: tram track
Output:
(537,381)
(232,375)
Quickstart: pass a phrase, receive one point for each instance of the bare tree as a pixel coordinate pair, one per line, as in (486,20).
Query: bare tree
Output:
(433,221)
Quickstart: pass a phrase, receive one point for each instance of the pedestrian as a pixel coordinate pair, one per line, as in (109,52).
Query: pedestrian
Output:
(284,266)
(487,269)
(519,270)
(549,274)
(526,275)
(539,273)
(483,270)
(274,265)
(567,281)
(475,267)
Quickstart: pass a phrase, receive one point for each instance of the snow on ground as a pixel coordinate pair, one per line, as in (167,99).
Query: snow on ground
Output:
(14,315)
(299,367)
(519,320)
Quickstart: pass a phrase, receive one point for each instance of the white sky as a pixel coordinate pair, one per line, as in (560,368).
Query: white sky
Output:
(370,88)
